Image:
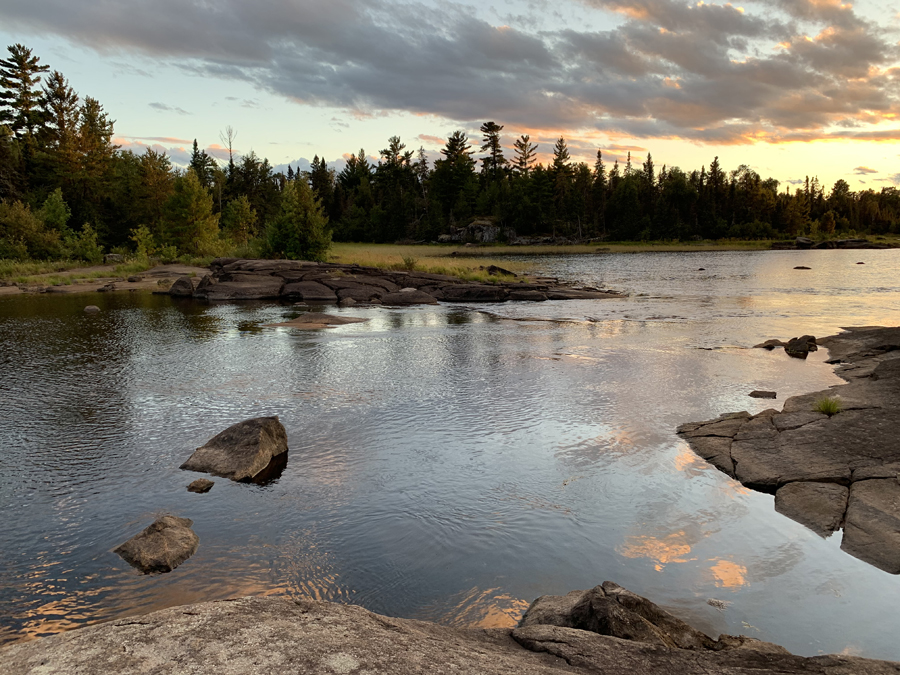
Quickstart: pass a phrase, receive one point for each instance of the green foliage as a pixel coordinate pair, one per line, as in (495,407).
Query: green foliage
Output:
(300,230)
(830,405)
(190,224)
(144,244)
(55,212)
(84,245)
(22,234)
(239,219)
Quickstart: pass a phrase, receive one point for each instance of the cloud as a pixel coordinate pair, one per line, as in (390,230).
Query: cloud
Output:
(863,170)
(776,71)
(178,150)
(163,107)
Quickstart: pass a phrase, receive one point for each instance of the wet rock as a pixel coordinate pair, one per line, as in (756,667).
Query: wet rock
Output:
(802,267)
(800,347)
(257,287)
(762,394)
(310,292)
(91,309)
(409,296)
(531,296)
(346,302)
(770,344)
(241,451)
(201,485)
(184,287)
(161,547)
(872,523)
(818,506)
(804,242)
(475,293)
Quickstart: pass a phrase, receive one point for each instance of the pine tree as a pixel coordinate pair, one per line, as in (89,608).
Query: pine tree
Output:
(239,219)
(203,165)
(190,222)
(495,162)
(299,231)
(525,151)
(20,95)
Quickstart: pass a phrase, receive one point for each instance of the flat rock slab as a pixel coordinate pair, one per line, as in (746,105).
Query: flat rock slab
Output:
(161,547)
(762,394)
(872,530)
(315,320)
(826,472)
(241,451)
(819,506)
(408,297)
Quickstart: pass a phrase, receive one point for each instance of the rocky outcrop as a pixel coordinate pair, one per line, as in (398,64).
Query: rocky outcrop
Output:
(826,471)
(807,243)
(242,451)
(161,547)
(611,610)
(800,347)
(281,636)
(328,283)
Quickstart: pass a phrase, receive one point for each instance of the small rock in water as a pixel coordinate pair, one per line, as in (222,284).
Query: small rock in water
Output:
(162,547)
(346,302)
(762,394)
(769,344)
(701,269)
(718,604)
(802,267)
(91,309)
(800,347)
(201,485)
(241,451)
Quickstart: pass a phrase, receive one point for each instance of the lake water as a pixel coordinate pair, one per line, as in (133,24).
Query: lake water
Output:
(446,463)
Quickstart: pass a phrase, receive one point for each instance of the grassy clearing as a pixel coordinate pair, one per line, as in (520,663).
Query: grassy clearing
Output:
(433,259)
(830,405)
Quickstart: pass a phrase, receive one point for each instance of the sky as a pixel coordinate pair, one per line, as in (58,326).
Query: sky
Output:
(790,87)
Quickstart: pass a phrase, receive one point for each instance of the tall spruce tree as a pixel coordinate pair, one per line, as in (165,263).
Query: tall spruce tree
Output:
(20,93)
(524,151)
(494,164)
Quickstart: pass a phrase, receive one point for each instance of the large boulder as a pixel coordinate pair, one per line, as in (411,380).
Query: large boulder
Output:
(161,547)
(184,287)
(241,451)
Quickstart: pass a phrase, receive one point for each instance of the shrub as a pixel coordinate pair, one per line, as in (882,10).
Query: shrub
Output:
(300,230)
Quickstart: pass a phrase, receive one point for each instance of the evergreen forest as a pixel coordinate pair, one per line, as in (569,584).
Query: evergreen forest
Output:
(68,192)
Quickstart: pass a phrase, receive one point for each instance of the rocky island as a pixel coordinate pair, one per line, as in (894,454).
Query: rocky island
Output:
(831,469)
(333,283)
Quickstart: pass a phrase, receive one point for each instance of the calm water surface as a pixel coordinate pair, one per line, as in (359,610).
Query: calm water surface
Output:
(447,463)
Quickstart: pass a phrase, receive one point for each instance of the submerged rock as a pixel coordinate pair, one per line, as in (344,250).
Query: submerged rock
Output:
(161,547)
(201,485)
(241,451)
(762,394)
(91,309)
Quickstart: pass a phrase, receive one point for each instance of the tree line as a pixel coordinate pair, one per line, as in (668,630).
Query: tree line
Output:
(67,191)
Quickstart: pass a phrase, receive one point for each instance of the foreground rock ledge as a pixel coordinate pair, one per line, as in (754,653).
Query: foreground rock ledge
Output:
(826,472)
(331,283)
(276,635)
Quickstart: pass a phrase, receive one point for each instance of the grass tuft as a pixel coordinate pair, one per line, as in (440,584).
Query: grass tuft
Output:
(830,405)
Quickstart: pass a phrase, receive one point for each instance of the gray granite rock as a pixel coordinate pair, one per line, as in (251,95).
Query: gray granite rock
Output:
(241,451)
(161,547)
(279,636)
(819,506)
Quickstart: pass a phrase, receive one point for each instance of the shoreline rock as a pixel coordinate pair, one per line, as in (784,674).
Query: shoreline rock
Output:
(826,471)
(331,283)
(277,635)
